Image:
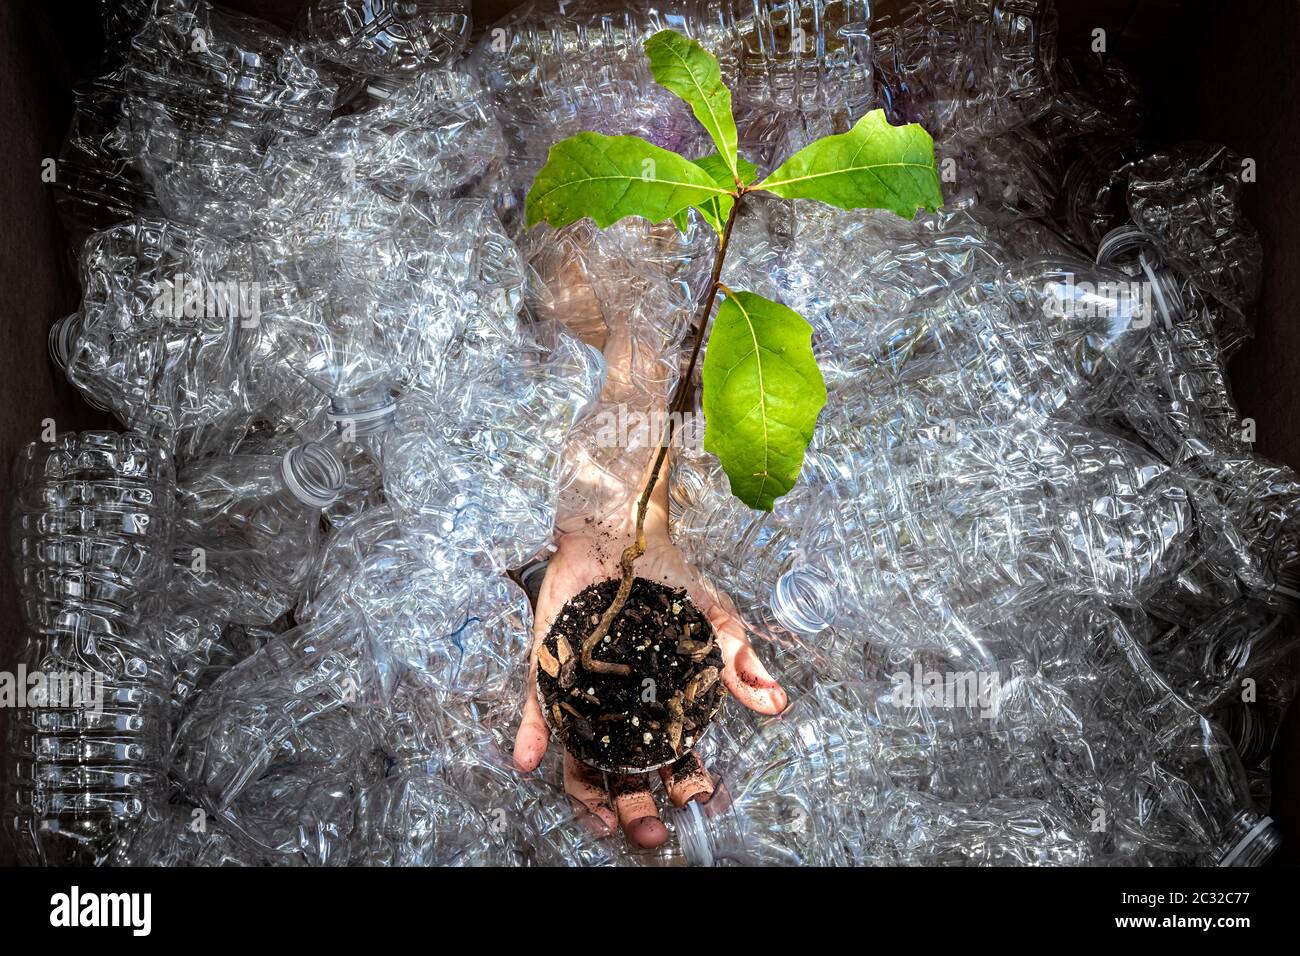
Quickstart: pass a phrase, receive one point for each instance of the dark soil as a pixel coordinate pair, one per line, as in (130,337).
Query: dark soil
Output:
(655,714)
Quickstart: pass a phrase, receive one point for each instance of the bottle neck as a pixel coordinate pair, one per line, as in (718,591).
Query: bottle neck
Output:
(709,834)
(63,336)
(368,413)
(803,600)
(718,832)
(1166,297)
(313,474)
(1248,840)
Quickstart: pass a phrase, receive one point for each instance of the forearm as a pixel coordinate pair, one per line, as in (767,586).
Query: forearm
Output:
(612,457)
(611,304)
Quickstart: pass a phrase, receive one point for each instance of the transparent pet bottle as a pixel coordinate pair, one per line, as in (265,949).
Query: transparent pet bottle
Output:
(91,536)
(927,539)
(383,37)
(795,790)
(248,526)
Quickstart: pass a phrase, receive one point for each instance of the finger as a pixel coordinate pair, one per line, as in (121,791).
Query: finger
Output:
(532,735)
(531,738)
(637,813)
(587,785)
(687,780)
(743,673)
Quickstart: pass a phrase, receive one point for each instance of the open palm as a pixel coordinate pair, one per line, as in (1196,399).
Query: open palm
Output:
(590,555)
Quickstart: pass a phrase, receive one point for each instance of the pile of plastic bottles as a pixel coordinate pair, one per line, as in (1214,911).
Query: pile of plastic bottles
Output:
(1034,596)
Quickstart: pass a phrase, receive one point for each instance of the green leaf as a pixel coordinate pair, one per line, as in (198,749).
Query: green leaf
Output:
(716,209)
(612,177)
(685,68)
(872,166)
(762,394)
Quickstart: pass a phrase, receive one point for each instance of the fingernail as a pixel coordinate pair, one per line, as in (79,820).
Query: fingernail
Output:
(698,796)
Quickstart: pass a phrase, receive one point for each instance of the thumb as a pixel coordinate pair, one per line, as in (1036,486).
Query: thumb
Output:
(532,737)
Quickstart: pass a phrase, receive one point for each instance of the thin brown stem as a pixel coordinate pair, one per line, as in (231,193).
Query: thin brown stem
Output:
(675,408)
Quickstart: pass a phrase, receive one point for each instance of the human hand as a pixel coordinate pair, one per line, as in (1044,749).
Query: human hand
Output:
(590,555)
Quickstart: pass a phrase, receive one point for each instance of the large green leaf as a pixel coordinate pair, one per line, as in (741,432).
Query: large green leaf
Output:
(611,177)
(872,166)
(716,209)
(685,68)
(762,394)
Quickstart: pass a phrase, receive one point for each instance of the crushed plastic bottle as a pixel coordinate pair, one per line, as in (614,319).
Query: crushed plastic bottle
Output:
(91,536)
(383,37)
(156,340)
(248,527)
(965,531)
(208,90)
(968,69)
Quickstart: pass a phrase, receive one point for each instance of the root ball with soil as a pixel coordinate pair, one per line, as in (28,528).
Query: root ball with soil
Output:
(658,690)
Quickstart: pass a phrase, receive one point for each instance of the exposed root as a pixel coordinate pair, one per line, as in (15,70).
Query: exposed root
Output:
(695,650)
(589,661)
(700,684)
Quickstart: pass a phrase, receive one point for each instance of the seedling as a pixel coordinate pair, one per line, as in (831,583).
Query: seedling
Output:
(762,389)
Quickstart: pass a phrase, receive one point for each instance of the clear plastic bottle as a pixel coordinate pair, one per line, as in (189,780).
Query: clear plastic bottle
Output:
(189,638)
(91,536)
(1095,189)
(335,340)
(181,836)
(850,273)
(383,37)
(1048,335)
(783,53)
(1245,638)
(416,819)
(1193,804)
(921,540)
(1188,201)
(248,526)
(798,781)
(96,186)
(435,135)
(1143,766)
(433,620)
(157,337)
(1175,394)
(968,69)
(300,700)
(208,91)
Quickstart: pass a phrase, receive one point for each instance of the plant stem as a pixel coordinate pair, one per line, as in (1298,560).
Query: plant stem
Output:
(675,408)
